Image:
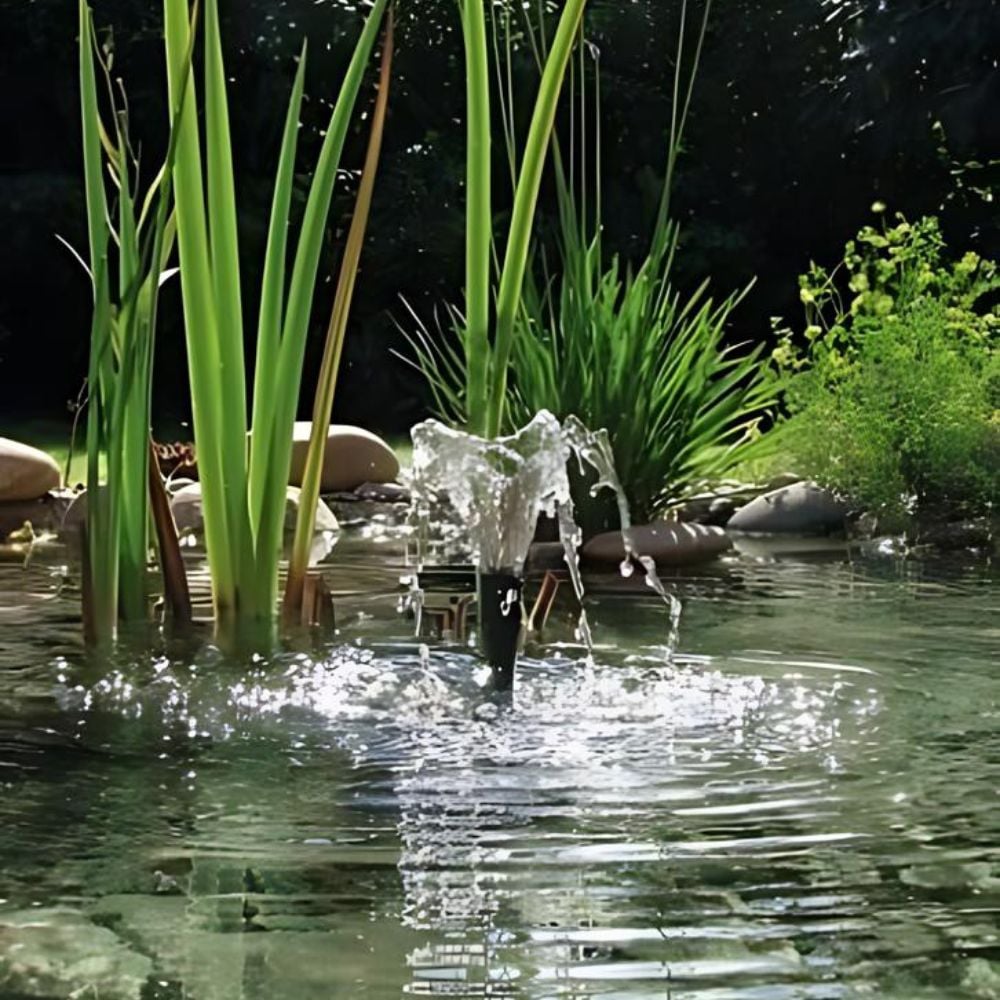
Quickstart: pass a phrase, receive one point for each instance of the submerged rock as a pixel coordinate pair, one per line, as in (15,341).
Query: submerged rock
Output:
(186,505)
(799,509)
(57,952)
(353,457)
(25,472)
(953,536)
(44,514)
(709,508)
(667,543)
(383,493)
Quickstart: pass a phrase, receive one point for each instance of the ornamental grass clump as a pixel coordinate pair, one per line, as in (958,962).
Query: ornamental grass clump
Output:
(621,348)
(624,350)
(893,386)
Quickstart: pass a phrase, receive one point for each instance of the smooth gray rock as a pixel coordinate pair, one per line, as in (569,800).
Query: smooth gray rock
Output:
(716,506)
(667,543)
(353,457)
(25,472)
(799,509)
(57,952)
(186,505)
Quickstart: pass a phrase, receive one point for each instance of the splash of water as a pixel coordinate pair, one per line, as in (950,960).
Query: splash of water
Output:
(498,488)
(593,448)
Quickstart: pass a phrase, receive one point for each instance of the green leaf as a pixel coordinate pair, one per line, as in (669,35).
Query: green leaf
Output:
(330,366)
(525,200)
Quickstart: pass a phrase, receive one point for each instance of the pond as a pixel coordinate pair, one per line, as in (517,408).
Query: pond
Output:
(801,802)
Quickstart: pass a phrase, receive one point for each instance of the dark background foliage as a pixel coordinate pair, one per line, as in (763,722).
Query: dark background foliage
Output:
(806,111)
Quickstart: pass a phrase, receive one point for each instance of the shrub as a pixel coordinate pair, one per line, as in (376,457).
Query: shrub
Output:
(893,389)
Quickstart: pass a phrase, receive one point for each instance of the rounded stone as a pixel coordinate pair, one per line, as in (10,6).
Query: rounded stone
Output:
(186,505)
(668,543)
(351,458)
(25,472)
(799,509)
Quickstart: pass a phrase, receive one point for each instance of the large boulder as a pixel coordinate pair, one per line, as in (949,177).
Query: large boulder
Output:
(353,457)
(186,504)
(668,543)
(25,472)
(799,509)
(57,952)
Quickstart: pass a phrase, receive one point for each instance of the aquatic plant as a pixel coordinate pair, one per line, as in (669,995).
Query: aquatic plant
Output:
(244,488)
(624,350)
(134,237)
(893,386)
(621,348)
(298,563)
(486,361)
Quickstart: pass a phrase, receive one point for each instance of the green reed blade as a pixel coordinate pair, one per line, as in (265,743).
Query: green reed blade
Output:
(525,200)
(272,303)
(101,585)
(205,364)
(299,307)
(224,250)
(93,170)
(130,405)
(479,218)
(330,366)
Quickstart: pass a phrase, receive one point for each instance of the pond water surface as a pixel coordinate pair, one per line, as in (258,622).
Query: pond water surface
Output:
(800,803)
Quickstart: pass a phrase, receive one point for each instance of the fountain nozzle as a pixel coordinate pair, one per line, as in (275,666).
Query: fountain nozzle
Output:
(501,613)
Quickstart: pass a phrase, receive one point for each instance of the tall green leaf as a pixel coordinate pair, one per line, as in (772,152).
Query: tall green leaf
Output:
(120,371)
(272,300)
(205,363)
(295,327)
(525,200)
(225,258)
(330,366)
(243,492)
(479,217)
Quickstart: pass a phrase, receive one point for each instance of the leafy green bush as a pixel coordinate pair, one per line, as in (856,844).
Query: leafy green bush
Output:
(893,390)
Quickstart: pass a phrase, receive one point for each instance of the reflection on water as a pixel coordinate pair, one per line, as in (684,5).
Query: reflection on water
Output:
(801,804)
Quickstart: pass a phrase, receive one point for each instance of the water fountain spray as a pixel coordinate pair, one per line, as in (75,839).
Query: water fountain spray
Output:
(497,489)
